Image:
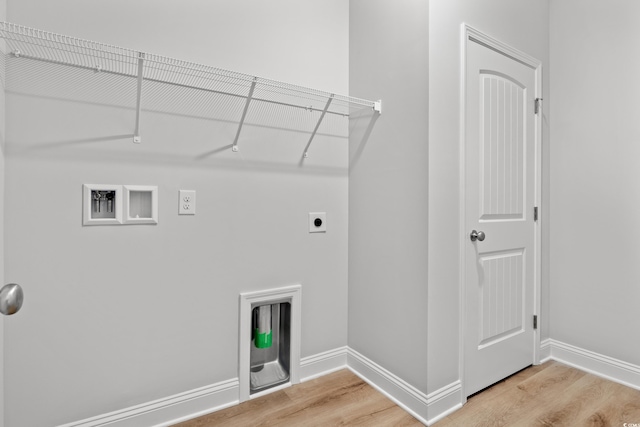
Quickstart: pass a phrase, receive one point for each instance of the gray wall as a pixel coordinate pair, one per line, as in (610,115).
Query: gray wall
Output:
(124,315)
(595,175)
(522,24)
(287,40)
(117,316)
(388,187)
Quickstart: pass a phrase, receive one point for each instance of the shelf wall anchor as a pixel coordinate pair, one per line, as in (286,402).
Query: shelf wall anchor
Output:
(136,134)
(377,106)
(315,130)
(244,114)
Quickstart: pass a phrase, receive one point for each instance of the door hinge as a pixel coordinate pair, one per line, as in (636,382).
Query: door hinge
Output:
(535,213)
(537,105)
(535,321)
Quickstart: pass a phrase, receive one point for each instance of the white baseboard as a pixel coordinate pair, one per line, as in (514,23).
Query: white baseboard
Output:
(323,363)
(169,410)
(545,350)
(444,401)
(595,363)
(425,408)
(402,393)
(194,403)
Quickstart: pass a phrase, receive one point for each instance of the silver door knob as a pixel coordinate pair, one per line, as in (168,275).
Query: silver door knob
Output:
(477,235)
(11,297)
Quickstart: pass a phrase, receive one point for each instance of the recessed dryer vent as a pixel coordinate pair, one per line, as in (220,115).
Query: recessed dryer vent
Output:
(269,340)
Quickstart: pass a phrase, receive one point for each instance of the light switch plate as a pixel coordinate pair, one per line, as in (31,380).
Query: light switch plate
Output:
(317,222)
(187,202)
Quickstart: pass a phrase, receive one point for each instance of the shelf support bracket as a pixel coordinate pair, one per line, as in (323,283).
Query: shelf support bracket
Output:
(377,106)
(244,114)
(136,134)
(315,130)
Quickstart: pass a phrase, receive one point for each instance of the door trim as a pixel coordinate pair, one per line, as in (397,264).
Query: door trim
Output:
(472,35)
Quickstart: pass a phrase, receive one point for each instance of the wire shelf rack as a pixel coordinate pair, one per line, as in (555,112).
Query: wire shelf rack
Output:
(147,67)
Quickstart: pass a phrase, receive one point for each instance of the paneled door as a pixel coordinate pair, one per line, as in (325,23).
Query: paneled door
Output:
(500,192)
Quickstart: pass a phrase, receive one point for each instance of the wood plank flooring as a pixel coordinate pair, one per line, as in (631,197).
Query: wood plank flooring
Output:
(551,394)
(337,399)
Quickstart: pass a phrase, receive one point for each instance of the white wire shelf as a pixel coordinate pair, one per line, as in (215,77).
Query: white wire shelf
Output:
(25,42)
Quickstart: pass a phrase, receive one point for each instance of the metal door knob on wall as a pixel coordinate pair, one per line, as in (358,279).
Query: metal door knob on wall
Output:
(11,298)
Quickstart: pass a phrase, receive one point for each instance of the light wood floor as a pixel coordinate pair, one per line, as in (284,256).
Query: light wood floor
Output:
(337,399)
(551,394)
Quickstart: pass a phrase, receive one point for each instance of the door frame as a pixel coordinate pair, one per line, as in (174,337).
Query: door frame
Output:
(472,35)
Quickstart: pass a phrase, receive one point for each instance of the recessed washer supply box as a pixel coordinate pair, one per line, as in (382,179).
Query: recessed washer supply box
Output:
(106,204)
(140,204)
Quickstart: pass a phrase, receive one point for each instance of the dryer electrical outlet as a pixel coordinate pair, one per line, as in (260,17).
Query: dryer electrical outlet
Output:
(187,202)
(317,222)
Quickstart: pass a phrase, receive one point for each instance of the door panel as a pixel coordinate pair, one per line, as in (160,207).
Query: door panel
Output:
(501,292)
(499,199)
(501,124)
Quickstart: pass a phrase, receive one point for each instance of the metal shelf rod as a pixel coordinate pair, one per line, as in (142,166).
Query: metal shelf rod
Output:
(19,54)
(182,85)
(136,134)
(326,107)
(68,51)
(244,114)
(128,59)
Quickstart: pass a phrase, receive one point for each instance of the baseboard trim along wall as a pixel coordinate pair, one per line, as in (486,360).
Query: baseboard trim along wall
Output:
(402,393)
(169,410)
(444,401)
(201,401)
(426,408)
(323,363)
(545,350)
(595,363)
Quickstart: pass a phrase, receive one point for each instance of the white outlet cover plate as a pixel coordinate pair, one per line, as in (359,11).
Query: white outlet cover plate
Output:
(312,218)
(187,202)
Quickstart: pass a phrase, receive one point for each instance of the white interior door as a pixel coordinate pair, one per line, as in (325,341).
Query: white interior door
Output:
(500,162)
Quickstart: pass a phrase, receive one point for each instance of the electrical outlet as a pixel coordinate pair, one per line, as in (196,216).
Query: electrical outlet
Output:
(317,222)
(187,202)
